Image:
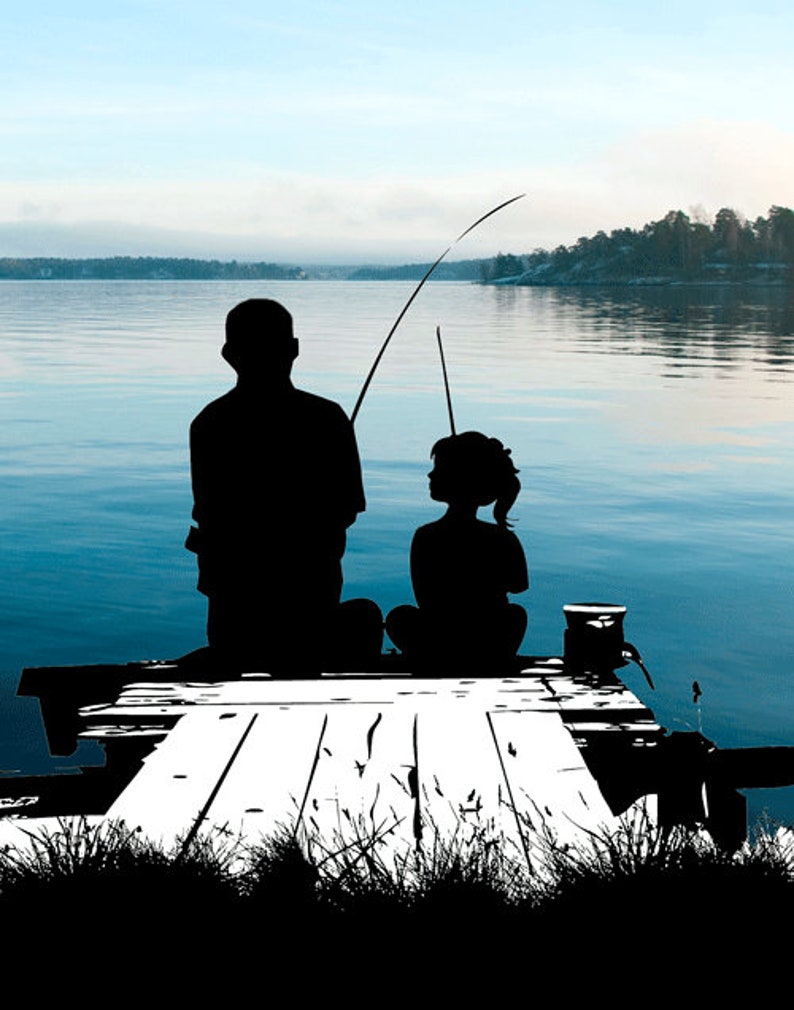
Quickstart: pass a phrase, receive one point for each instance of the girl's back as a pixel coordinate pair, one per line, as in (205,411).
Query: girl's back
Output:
(466,564)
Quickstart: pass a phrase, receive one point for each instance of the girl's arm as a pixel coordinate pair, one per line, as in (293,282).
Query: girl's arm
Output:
(515,565)
(426,572)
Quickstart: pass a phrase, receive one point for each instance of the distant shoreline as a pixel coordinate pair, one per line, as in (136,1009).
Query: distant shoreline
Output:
(162,268)
(632,284)
(674,251)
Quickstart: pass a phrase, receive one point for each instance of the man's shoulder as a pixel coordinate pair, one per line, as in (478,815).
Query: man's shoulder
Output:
(303,407)
(214,409)
(319,405)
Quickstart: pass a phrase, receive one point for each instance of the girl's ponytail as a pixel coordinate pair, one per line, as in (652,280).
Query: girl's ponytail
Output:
(506,483)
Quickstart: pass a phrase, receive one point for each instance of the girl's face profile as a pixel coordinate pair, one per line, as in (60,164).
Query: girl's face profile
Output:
(439,482)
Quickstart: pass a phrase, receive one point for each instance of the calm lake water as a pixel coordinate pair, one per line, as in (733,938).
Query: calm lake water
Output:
(654,431)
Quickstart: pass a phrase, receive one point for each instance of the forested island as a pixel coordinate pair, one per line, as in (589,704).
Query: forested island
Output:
(676,249)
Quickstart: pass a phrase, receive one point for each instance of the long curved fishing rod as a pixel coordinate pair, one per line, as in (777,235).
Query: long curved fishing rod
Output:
(416,291)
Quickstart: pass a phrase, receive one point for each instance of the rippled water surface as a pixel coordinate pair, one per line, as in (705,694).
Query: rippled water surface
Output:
(654,431)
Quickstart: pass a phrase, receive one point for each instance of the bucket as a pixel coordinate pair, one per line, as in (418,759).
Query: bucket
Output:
(594,636)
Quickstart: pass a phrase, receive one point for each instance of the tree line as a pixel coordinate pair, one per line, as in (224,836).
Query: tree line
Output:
(675,248)
(143,268)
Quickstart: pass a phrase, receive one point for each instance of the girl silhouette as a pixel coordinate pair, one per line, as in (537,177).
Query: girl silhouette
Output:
(463,568)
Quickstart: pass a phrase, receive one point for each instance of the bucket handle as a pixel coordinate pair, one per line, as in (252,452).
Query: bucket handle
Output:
(632,652)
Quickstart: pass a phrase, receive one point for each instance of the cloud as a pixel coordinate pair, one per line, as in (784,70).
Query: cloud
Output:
(740,164)
(398,217)
(276,217)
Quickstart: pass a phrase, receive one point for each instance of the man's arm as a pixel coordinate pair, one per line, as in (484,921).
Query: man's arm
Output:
(351,485)
(198,471)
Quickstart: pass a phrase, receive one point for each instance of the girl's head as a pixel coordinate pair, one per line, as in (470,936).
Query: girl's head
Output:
(473,468)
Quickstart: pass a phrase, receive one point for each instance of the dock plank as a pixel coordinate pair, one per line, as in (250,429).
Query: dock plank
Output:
(550,785)
(361,799)
(140,703)
(176,781)
(461,786)
(265,787)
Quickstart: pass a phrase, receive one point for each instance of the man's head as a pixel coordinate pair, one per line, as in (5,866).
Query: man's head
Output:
(259,338)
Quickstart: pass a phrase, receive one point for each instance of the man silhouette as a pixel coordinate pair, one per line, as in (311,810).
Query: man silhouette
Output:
(276,482)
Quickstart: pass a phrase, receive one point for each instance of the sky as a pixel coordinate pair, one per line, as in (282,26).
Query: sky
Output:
(348,132)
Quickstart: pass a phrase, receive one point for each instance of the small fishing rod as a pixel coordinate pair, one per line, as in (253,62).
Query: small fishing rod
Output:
(446,381)
(415,292)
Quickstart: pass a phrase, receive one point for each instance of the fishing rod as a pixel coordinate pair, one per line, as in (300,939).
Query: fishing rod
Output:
(415,292)
(446,381)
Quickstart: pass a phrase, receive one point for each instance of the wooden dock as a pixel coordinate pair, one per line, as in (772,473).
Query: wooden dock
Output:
(389,760)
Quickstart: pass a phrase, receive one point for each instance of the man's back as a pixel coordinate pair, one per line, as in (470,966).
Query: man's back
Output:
(288,461)
(276,482)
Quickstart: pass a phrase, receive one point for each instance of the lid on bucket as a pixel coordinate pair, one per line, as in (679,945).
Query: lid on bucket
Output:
(594,609)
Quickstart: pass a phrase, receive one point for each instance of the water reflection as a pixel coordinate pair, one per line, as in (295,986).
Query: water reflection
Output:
(720,323)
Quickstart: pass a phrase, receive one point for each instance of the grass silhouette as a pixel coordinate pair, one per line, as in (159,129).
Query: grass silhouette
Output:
(458,911)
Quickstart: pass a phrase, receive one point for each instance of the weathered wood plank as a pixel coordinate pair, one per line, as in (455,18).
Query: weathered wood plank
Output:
(360,802)
(463,794)
(121,731)
(177,779)
(265,788)
(577,701)
(123,714)
(554,794)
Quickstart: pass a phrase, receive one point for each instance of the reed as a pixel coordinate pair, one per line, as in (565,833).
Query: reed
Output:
(636,893)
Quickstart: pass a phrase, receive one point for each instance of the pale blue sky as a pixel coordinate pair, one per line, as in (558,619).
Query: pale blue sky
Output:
(344,130)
